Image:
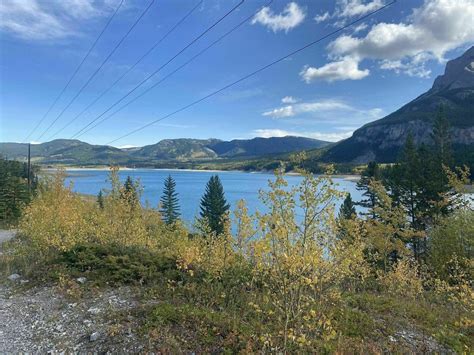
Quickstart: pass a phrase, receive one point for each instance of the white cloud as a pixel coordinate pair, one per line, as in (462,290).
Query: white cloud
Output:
(345,69)
(325,136)
(127,146)
(36,20)
(346,9)
(286,111)
(322,17)
(289,100)
(433,29)
(292,16)
(326,110)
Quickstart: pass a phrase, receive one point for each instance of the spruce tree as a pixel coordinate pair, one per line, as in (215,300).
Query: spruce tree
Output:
(129,192)
(169,202)
(347,210)
(214,205)
(370,174)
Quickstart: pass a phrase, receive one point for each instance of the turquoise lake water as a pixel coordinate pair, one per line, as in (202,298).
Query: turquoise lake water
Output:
(190,186)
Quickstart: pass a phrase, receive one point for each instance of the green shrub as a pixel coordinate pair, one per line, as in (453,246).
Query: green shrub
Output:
(118,264)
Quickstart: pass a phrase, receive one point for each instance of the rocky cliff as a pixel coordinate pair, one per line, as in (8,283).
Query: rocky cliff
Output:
(381,140)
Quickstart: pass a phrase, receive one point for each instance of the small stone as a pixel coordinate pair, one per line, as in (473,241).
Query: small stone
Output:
(94,310)
(392,339)
(81,280)
(14,277)
(94,336)
(24,281)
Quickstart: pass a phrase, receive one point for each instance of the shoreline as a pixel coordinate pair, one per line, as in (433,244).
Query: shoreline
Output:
(347,177)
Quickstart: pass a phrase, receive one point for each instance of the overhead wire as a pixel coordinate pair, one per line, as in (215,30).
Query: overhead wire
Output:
(74,73)
(150,50)
(163,65)
(84,130)
(98,69)
(332,33)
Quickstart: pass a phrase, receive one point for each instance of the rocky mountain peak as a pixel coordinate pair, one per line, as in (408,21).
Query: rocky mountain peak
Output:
(459,73)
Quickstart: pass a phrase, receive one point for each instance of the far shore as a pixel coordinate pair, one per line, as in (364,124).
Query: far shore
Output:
(349,177)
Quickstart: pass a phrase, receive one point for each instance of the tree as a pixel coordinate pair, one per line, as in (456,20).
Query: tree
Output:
(347,210)
(370,174)
(214,205)
(129,192)
(169,202)
(100,199)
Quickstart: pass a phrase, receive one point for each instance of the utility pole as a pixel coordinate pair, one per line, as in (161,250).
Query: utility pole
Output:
(29,168)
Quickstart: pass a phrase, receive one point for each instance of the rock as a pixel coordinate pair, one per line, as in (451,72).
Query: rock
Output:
(94,336)
(81,280)
(94,310)
(14,277)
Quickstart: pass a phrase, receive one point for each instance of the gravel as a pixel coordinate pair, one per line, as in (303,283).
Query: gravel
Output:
(41,320)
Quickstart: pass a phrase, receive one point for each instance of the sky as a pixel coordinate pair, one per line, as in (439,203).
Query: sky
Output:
(325,92)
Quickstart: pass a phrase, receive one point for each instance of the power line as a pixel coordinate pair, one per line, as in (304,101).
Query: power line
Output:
(162,66)
(254,72)
(151,49)
(74,73)
(98,69)
(84,131)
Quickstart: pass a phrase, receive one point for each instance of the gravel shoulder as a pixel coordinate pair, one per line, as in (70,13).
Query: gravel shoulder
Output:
(6,235)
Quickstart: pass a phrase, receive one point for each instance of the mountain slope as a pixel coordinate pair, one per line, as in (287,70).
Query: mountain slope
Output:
(381,140)
(265,146)
(63,151)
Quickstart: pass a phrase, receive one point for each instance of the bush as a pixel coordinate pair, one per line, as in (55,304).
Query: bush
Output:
(116,264)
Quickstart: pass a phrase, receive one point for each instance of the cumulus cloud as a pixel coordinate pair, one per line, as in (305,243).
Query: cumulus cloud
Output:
(289,18)
(346,9)
(345,69)
(433,29)
(326,110)
(325,136)
(289,100)
(286,111)
(34,20)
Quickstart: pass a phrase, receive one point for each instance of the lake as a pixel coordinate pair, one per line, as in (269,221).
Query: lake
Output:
(190,186)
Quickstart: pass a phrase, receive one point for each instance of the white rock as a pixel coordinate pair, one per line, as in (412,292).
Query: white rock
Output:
(94,310)
(94,336)
(14,277)
(81,280)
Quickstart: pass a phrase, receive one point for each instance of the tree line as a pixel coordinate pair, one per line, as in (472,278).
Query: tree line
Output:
(15,192)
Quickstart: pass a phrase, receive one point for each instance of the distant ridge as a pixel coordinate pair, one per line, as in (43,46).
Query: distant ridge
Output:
(75,152)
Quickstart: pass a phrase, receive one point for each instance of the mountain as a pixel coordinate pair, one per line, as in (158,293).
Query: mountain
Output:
(64,151)
(178,149)
(265,146)
(75,152)
(381,140)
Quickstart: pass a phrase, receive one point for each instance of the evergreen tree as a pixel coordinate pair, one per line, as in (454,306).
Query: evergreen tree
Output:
(129,192)
(441,139)
(169,202)
(347,210)
(214,205)
(370,174)
(100,199)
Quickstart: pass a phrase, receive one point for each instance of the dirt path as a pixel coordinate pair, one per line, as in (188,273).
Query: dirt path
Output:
(6,235)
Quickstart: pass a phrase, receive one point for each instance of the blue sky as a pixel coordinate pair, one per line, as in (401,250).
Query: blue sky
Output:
(325,92)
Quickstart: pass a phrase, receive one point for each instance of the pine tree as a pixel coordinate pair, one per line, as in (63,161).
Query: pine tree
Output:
(347,210)
(370,174)
(100,199)
(214,205)
(169,202)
